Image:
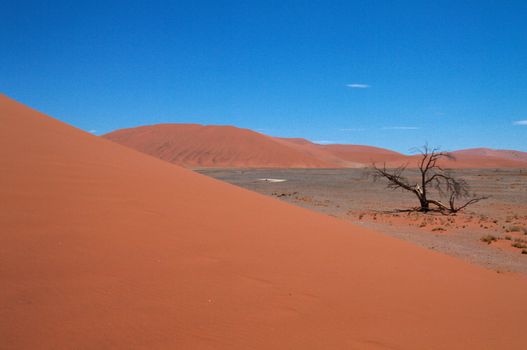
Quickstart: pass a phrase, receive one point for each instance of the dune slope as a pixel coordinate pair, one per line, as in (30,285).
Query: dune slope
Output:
(463,160)
(194,145)
(365,155)
(493,153)
(107,248)
(317,151)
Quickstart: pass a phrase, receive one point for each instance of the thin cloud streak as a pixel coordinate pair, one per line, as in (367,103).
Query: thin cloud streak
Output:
(358,86)
(401,128)
(324,142)
(353,129)
(520,122)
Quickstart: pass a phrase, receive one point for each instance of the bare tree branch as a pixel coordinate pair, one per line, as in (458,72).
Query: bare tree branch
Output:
(432,176)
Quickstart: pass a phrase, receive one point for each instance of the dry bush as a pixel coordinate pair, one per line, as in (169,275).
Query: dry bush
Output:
(517,229)
(432,176)
(489,239)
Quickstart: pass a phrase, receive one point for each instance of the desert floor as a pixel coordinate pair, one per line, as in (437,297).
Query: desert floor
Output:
(491,233)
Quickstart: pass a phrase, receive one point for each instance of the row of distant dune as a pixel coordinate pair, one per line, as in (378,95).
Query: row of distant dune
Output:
(194,146)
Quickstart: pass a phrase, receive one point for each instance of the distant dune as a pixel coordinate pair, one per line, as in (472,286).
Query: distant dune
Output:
(493,153)
(105,247)
(194,146)
(464,160)
(364,155)
(317,151)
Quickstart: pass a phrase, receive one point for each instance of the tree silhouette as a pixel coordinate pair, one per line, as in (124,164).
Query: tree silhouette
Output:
(432,176)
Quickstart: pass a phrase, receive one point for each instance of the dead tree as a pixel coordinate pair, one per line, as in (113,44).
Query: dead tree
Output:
(431,176)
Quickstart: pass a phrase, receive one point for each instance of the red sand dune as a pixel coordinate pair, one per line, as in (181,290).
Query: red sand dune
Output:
(193,145)
(356,156)
(365,155)
(469,161)
(462,161)
(353,156)
(317,151)
(103,247)
(495,153)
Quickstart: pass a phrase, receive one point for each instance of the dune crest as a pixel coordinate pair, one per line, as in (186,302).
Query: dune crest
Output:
(105,247)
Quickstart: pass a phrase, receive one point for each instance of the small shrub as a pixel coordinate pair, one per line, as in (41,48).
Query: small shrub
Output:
(524,251)
(519,245)
(508,238)
(438,229)
(489,239)
(517,229)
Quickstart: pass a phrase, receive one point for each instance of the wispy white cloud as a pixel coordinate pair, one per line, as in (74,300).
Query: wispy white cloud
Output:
(352,129)
(520,122)
(93,131)
(401,128)
(358,86)
(324,142)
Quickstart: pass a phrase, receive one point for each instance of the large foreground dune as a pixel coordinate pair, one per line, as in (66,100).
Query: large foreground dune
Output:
(194,146)
(103,247)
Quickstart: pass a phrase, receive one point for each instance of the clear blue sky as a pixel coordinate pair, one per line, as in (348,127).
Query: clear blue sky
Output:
(453,73)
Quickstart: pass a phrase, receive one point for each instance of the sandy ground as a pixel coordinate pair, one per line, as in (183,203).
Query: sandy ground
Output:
(103,247)
(350,194)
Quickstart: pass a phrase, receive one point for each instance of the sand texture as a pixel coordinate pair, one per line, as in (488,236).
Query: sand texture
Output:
(103,247)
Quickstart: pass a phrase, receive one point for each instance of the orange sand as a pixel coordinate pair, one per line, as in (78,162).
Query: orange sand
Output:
(496,153)
(365,155)
(103,247)
(193,145)
(317,151)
